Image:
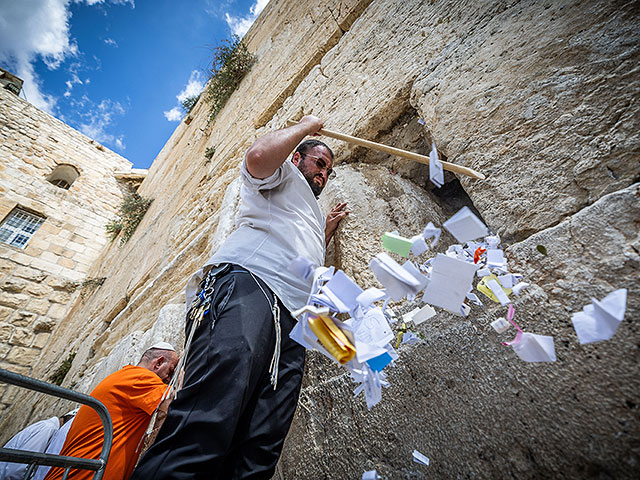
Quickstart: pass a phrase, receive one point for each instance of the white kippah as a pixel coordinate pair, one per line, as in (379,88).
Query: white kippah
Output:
(163,346)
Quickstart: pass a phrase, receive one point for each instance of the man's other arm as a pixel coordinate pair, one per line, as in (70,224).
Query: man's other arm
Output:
(267,153)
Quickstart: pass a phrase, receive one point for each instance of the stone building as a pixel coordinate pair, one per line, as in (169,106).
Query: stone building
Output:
(58,189)
(541,97)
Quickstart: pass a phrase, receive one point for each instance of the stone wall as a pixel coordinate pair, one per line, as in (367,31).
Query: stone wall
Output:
(39,283)
(539,96)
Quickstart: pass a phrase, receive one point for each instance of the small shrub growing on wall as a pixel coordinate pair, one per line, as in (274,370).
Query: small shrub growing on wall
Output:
(58,376)
(189,102)
(130,214)
(231,62)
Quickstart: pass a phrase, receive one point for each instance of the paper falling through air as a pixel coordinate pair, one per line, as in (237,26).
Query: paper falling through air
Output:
(600,320)
(436,174)
(465,226)
(451,279)
(420,458)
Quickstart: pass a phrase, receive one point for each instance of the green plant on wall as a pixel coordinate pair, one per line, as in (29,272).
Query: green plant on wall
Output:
(189,102)
(130,213)
(231,62)
(58,375)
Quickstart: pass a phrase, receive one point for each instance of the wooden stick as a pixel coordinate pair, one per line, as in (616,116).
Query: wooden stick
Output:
(452,167)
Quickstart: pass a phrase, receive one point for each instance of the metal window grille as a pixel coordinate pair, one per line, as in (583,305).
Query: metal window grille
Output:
(19,227)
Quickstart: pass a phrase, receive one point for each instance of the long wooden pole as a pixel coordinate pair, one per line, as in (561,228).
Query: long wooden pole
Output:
(452,167)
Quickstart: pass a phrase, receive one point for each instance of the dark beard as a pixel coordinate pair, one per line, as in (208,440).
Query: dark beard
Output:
(308,176)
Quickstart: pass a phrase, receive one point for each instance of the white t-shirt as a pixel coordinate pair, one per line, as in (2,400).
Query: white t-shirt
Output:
(279,220)
(34,438)
(54,448)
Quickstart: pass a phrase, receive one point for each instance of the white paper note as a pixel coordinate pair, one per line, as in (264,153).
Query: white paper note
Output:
(535,348)
(342,291)
(436,174)
(450,281)
(498,292)
(425,313)
(398,282)
(420,458)
(600,320)
(464,225)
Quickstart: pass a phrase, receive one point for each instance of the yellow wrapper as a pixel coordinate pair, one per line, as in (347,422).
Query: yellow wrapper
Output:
(484,288)
(332,338)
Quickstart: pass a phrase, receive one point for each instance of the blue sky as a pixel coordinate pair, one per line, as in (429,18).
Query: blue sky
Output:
(117,69)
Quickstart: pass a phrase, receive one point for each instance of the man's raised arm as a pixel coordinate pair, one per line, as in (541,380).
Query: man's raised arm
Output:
(267,153)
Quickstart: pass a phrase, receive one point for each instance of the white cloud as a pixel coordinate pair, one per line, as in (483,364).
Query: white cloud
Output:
(38,30)
(174,115)
(240,25)
(193,88)
(75,80)
(33,30)
(111,41)
(98,119)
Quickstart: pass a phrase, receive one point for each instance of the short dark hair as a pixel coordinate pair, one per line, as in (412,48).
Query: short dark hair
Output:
(307,145)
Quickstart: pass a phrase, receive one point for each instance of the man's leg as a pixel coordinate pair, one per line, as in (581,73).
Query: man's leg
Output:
(224,367)
(261,432)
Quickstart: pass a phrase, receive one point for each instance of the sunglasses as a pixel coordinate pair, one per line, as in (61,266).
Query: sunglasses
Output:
(331,173)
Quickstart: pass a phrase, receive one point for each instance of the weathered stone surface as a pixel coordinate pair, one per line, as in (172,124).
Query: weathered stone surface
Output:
(22,318)
(39,305)
(41,339)
(45,325)
(23,356)
(5,332)
(13,300)
(38,290)
(5,313)
(30,274)
(541,99)
(13,285)
(60,297)
(22,336)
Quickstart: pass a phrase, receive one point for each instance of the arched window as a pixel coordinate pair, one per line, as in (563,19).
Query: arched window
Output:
(63,176)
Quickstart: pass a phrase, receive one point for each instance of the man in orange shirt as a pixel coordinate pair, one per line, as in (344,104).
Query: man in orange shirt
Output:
(131,395)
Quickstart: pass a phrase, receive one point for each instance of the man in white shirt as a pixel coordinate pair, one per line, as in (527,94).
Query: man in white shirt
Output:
(243,372)
(34,438)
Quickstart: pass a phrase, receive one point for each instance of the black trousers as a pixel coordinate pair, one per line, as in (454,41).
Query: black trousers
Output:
(228,422)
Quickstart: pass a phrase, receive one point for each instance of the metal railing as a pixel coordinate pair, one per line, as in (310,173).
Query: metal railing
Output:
(33,459)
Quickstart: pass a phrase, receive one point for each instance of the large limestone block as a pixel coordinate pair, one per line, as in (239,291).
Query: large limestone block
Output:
(540,97)
(471,405)
(168,328)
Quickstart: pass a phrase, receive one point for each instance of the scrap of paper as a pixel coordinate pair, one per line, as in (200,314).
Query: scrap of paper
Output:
(600,320)
(342,292)
(450,281)
(418,245)
(370,295)
(436,174)
(465,226)
(396,244)
(431,231)
(500,325)
(371,475)
(495,258)
(423,314)
(372,333)
(535,348)
(420,458)
(490,287)
(398,282)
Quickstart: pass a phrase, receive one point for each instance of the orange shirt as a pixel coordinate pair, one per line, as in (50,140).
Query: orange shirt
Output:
(131,395)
